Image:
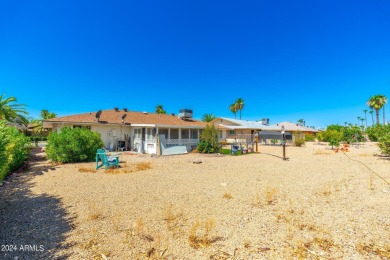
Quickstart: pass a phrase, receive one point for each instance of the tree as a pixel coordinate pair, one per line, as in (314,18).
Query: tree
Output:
(38,123)
(208,117)
(377,102)
(240,105)
(365,115)
(10,110)
(362,119)
(208,142)
(301,122)
(160,109)
(358,118)
(233,109)
(372,116)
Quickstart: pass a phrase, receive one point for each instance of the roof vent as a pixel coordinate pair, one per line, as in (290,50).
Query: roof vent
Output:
(116,109)
(173,114)
(98,114)
(145,112)
(125,109)
(265,121)
(185,113)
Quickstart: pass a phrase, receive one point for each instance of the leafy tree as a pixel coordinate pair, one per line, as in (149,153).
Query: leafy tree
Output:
(384,143)
(10,110)
(233,109)
(377,102)
(240,105)
(73,145)
(160,109)
(375,132)
(335,127)
(208,117)
(209,140)
(334,137)
(301,121)
(38,123)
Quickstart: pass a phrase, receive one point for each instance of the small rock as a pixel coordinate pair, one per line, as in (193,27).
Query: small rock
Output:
(197,161)
(385,191)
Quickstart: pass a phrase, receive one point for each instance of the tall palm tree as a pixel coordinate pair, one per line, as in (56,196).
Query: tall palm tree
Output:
(240,105)
(362,119)
(358,118)
(233,109)
(160,109)
(372,116)
(10,110)
(377,102)
(38,123)
(365,115)
(208,117)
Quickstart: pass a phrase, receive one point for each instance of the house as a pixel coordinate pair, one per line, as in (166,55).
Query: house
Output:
(136,131)
(230,130)
(295,128)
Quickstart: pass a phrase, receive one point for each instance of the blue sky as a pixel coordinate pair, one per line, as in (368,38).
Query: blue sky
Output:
(316,60)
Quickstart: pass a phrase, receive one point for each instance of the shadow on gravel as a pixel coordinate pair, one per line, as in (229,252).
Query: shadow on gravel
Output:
(31,226)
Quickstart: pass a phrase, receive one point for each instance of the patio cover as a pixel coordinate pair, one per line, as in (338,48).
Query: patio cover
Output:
(273,135)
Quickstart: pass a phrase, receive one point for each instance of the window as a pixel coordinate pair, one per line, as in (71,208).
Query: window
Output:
(194,133)
(151,133)
(174,133)
(163,131)
(232,132)
(137,133)
(185,134)
(80,126)
(220,134)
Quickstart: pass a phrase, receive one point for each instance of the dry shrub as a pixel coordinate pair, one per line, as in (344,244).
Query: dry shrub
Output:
(270,195)
(200,234)
(303,249)
(227,196)
(84,169)
(143,166)
(174,219)
(383,251)
(326,189)
(94,212)
(322,152)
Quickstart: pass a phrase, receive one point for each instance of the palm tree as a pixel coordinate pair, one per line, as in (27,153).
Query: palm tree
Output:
(345,123)
(208,117)
(38,123)
(377,102)
(362,119)
(233,109)
(358,118)
(372,116)
(365,115)
(9,110)
(160,109)
(240,105)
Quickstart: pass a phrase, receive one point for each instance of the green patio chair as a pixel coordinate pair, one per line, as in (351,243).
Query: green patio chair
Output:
(106,161)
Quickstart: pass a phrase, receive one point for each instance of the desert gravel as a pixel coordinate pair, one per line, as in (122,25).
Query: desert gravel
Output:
(318,205)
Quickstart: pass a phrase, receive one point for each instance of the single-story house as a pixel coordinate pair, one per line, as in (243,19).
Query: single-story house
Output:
(137,130)
(295,128)
(230,130)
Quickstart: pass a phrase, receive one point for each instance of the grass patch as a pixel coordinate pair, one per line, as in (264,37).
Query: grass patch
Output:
(200,234)
(85,169)
(227,196)
(229,152)
(129,168)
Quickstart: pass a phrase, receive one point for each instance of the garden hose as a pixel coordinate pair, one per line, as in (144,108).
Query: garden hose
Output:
(367,168)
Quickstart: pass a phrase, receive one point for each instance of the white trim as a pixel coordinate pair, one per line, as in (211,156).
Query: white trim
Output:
(144,125)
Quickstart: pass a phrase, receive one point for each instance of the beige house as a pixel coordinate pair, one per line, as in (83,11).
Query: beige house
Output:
(139,130)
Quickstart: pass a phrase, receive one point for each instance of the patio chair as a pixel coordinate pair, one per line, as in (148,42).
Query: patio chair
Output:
(105,160)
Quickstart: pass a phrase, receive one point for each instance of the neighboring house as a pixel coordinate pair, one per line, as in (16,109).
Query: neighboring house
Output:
(230,129)
(138,129)
(294,128)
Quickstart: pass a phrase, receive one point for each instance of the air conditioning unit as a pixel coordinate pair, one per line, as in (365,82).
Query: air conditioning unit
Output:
(265,121)
(185,113)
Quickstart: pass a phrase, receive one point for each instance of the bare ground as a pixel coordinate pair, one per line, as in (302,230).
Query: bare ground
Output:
(318,204)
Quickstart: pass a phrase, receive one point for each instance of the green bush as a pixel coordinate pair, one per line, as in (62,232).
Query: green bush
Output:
(377,131)
(299,139)
(309,138)
(13,149)
(384,144)
(73,145)
(209,140)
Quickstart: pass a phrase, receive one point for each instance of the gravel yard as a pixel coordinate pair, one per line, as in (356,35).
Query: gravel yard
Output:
(318,204)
